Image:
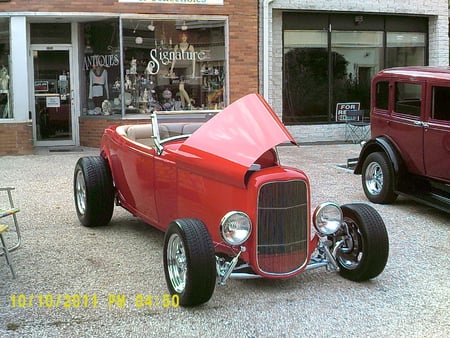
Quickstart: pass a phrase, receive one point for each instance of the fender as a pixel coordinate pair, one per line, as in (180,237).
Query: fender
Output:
(385,145)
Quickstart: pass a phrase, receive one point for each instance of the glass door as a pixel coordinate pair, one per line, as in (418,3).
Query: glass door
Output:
(52,117)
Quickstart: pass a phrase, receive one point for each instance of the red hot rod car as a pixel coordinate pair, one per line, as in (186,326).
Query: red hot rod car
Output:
(214,184)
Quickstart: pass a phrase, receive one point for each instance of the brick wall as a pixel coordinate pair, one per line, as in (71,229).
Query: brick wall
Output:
(16,138)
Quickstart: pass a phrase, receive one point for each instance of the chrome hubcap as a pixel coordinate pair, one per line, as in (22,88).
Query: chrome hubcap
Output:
(351,253)
(176,263)
(374,178)
(80,192)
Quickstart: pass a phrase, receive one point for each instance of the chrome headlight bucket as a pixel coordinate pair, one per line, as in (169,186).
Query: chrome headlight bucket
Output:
(235,227)
(327,218)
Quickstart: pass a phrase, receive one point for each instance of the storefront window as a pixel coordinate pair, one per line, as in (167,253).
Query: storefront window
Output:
(6,111)
(357,56)
(173,65)
(306,76)
(167,65)
(329,60)
(405,49)
(50,33)
(101,67)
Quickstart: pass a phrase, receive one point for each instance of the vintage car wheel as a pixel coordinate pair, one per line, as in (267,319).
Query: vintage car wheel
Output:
(378,179)
(364,255)
(189,262)
(93,191)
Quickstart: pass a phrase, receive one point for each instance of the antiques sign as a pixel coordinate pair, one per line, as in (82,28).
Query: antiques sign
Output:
(342,108)
(179,2)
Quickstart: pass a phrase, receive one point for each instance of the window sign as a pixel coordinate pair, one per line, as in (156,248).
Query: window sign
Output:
(52,102)
(41,86)
(343,108)
(180,2)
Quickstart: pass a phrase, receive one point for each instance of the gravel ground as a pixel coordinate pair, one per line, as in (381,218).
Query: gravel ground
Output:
(101,274)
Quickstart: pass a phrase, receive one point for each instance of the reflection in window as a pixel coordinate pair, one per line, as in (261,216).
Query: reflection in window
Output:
(408,98)
(167,65)
(440,106)
(305,98)
(50,33)
(382,95)
(405,49)
(358,55)
(5,63)
(101,65)
(173,65)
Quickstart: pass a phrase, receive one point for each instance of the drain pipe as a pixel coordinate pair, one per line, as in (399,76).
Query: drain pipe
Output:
(266,49)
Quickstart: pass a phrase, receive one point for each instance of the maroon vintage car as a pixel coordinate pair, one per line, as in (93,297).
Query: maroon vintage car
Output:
(214,184)
(409,150)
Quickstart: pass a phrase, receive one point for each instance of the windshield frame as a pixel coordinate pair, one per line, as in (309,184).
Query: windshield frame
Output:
(177,116)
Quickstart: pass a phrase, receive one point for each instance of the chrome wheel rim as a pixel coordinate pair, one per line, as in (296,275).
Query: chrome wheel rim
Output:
(351,253)
(176,263)
(374,178)
(80,192)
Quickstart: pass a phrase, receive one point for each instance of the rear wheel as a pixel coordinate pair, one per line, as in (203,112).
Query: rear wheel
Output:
(189,262)
(378,179)
(93,191)
(365,251)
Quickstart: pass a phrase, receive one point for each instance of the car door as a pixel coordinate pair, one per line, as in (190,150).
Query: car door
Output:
(133,167)
(437,132)
(406,126)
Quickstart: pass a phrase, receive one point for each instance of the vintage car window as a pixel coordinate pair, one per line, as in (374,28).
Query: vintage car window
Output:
(382,95)
(408,98)
(440,107)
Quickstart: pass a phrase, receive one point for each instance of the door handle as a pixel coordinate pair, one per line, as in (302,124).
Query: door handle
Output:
(422,124)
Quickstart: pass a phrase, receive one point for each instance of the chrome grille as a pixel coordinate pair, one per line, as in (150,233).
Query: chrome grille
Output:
(282,242)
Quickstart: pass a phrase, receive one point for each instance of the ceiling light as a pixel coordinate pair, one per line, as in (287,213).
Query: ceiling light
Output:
(139,40)
(151,27)
(184,27)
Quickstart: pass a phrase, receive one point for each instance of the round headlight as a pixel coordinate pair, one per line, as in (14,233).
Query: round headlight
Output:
(327,218)
(235,227)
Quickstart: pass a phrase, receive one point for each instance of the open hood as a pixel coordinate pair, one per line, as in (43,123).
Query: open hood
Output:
(227,145)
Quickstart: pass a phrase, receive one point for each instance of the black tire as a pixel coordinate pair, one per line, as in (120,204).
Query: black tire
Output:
(378,179)
(366,254)
(93,191)
(189,262)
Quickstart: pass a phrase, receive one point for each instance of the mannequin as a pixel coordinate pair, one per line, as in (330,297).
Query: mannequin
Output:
(185,99)
(98,85)
(4,78)
(184,52)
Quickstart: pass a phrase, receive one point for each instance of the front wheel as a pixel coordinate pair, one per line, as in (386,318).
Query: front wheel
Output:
(189,262)
(365,251)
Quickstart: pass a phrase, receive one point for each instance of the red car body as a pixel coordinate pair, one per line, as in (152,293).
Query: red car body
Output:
(227,205)
(199,177)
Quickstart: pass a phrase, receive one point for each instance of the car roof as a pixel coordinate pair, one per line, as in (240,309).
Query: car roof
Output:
(435,72)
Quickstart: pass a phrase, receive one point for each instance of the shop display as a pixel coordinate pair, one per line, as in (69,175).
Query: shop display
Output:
(4,93)
(166,68)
